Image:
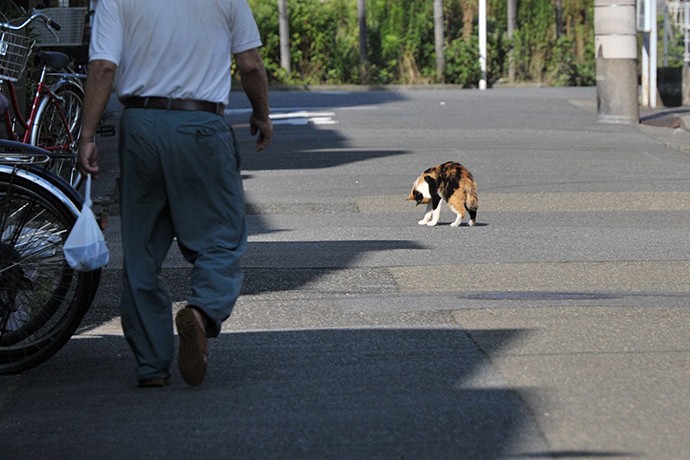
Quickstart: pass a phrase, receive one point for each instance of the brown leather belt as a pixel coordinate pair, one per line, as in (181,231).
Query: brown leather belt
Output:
(163,103)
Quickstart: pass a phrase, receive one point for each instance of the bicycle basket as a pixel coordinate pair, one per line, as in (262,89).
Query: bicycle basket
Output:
(14,54)
(72,22)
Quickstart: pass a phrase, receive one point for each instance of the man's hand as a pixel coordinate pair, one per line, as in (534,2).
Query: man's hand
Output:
(255,84)
(265,130)
(88,154)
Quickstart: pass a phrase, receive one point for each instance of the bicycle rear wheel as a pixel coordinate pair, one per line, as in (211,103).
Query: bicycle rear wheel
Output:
(42,300)
(57,127)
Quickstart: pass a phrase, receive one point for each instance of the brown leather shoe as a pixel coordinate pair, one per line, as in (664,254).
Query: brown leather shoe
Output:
(192,357)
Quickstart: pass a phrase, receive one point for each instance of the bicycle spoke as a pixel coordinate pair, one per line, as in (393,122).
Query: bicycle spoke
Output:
(57,129)
(32,235)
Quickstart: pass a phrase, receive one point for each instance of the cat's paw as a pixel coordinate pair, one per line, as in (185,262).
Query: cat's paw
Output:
(422,222)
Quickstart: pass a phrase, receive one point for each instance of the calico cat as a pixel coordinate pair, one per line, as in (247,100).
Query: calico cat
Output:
(450,182)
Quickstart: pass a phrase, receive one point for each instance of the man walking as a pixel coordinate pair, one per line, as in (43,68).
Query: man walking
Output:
(169,61)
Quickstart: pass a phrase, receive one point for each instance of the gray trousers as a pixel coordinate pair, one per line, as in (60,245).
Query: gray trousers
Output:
(179,178)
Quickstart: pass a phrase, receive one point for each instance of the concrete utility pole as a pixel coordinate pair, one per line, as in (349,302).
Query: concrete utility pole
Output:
(439,41)
(615,45)
(284,30)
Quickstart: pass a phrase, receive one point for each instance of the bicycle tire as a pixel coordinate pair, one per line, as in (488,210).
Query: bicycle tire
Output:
(42,300)
(64,189)
(57,127)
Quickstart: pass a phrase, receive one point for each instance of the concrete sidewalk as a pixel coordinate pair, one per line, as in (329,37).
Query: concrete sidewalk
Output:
(558,327)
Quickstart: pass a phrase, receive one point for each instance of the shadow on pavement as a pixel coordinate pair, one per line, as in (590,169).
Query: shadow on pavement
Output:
(577,454)
(298,141)
(269,267)
(374,393)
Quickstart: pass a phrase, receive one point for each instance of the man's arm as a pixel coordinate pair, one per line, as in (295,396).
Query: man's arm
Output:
(99,85)
(255,84)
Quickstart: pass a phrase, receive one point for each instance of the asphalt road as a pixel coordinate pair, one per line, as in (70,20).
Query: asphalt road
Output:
(558,327)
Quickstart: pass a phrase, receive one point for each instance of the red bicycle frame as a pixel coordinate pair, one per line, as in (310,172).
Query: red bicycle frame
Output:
(28,124)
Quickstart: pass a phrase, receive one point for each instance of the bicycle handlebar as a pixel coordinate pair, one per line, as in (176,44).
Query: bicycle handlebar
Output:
(53,24)
(36,16)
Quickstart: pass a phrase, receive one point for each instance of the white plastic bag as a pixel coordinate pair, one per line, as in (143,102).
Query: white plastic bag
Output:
(85,247)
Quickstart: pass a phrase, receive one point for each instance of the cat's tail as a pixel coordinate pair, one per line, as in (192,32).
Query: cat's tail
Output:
(472,203)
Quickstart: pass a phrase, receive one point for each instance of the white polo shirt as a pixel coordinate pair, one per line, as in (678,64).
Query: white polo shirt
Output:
(173,48)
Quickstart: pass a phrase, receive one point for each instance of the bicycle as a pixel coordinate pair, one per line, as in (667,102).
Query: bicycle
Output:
(42,300)
(54,120)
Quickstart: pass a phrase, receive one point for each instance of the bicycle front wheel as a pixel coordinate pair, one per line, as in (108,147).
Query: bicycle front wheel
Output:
(42,300)
(56,129)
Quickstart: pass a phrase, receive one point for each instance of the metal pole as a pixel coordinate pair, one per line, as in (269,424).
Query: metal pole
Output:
(284,31)
(653,57)
(644,68)
(511,30)
(686,55)
(482,43)
(439,40)
(686,34)
(363,53)
(667,34)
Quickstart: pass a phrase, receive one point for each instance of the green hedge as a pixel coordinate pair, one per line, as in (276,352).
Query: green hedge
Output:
(324,42)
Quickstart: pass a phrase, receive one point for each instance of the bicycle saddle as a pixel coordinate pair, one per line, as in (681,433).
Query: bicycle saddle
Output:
(53,59)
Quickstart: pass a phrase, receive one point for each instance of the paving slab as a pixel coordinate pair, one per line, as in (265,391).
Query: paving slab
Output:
(613,379)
